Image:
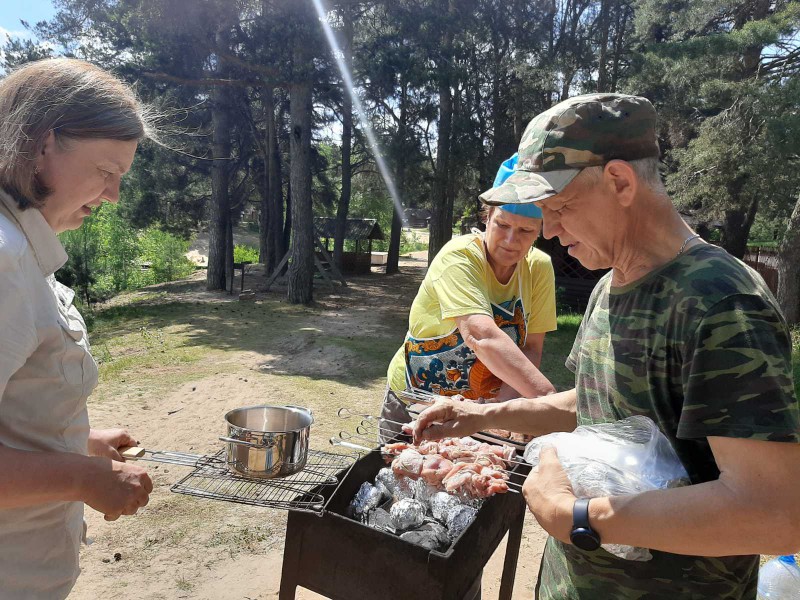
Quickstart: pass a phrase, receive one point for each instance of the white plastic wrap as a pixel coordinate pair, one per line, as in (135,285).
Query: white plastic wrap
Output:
(611,459)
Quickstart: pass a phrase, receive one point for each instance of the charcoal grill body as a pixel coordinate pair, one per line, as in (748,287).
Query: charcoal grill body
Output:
(342,559)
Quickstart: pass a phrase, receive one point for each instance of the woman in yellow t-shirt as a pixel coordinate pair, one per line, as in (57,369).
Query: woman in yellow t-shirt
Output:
(477,325)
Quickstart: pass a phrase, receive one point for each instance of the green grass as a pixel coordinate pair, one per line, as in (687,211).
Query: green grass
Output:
(157,341)
(144,348)
(557,346)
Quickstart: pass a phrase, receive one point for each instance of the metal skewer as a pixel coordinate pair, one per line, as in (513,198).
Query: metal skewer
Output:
(346,413)
(358,436)
(337,442)
(363,431)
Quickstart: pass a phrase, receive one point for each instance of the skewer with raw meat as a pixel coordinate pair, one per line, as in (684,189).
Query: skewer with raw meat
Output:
(430,467)
(457,450)
(475,480)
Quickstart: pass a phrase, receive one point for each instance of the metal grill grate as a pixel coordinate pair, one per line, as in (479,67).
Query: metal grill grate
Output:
(211,479)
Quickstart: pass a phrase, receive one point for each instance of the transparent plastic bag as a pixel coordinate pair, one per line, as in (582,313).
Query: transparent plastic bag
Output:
(610,459)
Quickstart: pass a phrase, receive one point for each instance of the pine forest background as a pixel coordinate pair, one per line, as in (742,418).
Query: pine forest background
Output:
(257,128)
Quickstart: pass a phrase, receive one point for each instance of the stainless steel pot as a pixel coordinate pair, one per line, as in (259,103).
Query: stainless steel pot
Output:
(267,441)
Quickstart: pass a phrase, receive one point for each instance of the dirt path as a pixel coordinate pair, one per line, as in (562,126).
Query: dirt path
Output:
(175,358)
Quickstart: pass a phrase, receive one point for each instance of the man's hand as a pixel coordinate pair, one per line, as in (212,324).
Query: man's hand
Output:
(107,442)
(549,495)
(449,417)
(114,488)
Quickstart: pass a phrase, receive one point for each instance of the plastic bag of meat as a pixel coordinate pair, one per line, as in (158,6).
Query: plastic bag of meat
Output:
(610,459)
(407,514)
(366,499)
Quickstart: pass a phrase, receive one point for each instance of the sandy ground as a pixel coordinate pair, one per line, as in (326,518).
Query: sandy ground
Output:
(183,547)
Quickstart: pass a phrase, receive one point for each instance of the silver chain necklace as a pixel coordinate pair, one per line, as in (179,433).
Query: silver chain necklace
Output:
(686,241)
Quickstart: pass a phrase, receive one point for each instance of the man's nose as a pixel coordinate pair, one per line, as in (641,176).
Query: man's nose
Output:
(550,224)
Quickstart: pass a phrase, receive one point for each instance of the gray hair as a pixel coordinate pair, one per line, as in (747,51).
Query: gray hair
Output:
(73,99)
(647,171)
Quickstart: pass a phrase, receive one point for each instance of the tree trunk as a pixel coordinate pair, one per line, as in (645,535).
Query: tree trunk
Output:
(604,23)
(519,104)
(789,269)
(265,221)
(280,241)
(301,271)
(287,226)
(393,258)
(277,248)
(229,254)
(220,172)
(737,224)
(347,136)
(271,247)
(623,19)
(440,229)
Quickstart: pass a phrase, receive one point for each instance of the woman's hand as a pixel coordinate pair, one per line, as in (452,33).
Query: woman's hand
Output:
(106,443)
(448,417)
(115,488)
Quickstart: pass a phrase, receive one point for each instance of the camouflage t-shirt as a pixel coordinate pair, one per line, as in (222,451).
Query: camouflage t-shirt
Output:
(700,347)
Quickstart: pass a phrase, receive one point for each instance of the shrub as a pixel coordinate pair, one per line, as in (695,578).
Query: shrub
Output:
(107,256)
(244,253)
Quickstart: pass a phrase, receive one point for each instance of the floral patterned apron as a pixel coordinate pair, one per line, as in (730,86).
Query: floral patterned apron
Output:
(445,365)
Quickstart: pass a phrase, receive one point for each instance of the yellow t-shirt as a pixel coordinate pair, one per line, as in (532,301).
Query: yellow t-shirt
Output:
(460,282)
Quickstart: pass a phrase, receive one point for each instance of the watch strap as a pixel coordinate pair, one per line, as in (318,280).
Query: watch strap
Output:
(580,514)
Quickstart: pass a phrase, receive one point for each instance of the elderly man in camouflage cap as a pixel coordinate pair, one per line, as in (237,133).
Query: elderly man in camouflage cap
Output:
(678,331)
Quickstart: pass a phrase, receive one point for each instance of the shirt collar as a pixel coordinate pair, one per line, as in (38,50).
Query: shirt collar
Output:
(49,252)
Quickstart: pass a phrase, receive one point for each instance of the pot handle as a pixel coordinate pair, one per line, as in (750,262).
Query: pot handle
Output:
(242,442)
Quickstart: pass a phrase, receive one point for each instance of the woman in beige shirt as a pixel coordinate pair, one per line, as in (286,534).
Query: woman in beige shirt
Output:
(68,132)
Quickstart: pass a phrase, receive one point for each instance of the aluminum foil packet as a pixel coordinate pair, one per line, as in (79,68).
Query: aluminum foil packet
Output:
(465,498)
(440,503)
(407,513)
(367,499)
(381,519)
(400,488)
(458,519)
(429,535)
(424,492)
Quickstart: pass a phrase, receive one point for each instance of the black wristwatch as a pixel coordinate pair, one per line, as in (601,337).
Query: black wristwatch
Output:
(582,534)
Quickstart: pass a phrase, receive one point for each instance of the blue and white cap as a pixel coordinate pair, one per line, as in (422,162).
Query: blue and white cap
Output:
(505,171)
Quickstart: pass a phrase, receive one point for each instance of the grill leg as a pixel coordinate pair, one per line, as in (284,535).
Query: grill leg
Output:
(290,573)
(287,591)
(512,554)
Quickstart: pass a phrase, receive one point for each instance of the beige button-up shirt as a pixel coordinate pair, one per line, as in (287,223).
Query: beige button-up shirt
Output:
(46,374)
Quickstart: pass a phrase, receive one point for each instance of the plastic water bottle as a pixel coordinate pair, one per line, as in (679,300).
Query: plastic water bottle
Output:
(779,579)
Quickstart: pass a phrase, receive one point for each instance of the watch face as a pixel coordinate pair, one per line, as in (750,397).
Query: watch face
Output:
(585,539)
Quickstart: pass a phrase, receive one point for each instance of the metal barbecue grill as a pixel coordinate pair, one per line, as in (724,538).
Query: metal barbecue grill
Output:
(210,478)
(334,555)
(344,559)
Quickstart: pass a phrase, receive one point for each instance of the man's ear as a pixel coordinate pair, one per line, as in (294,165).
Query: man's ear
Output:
(621,180)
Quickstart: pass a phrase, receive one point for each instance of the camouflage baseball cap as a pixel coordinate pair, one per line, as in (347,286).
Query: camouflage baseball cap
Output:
(584,131)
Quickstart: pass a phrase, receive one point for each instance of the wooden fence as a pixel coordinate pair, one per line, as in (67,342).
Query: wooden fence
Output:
(765,261)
